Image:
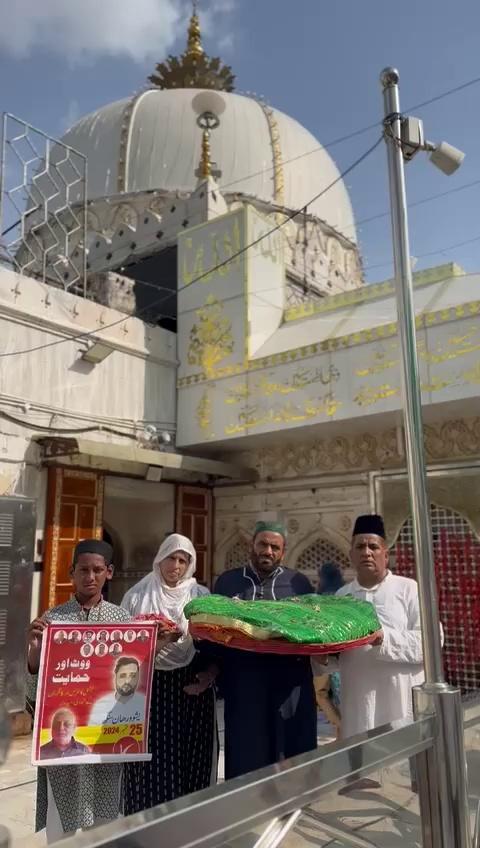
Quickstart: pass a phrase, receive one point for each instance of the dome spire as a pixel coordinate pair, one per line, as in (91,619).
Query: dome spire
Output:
(193,69)
(194,40)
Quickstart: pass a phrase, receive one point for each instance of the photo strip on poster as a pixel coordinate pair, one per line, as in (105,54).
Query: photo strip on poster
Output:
(93,697)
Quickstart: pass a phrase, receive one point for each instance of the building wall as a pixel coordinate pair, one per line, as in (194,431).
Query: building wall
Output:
(137,515)
(134,384)
(318,487)
(317,513)
(51,391)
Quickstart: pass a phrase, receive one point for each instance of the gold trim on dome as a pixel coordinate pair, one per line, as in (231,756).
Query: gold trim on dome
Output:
(278,173)
(385,331)
(123,149)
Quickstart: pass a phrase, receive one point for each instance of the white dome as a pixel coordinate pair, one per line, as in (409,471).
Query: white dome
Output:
(152,142)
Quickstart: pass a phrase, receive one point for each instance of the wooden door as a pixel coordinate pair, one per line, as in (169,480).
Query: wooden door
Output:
(74,512)
(194,519)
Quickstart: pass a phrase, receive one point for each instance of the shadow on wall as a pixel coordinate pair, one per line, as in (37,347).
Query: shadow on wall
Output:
(111,537)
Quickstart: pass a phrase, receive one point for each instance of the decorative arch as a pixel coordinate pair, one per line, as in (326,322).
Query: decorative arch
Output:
(237,554)
(320,548)
(233,552)
(457,568)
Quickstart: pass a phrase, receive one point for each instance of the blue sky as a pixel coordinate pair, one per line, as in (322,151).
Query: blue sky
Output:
(318,61)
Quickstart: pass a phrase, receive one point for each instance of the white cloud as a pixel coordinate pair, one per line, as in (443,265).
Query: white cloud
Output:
(141,30)
(215,21)
(83,29)
(225,43)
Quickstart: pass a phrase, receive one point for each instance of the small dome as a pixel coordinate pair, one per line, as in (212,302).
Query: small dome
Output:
(152,142)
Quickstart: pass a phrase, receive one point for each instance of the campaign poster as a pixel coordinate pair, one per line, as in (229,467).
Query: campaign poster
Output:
(93,697)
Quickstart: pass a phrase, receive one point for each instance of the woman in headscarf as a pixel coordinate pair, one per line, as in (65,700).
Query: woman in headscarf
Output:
(327,686)
(183,726)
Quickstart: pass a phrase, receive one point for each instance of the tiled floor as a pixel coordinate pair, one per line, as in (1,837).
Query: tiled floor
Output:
(17,789)
(388,817)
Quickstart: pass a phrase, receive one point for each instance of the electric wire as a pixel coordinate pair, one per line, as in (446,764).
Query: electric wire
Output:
(243,250)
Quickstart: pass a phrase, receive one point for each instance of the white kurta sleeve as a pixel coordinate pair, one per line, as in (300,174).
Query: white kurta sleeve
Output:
(404,646)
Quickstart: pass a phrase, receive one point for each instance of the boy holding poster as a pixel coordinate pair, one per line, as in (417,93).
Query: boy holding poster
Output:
(72,797)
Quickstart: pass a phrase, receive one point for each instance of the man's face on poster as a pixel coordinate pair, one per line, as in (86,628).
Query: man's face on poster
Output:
(63,728)
(126,679)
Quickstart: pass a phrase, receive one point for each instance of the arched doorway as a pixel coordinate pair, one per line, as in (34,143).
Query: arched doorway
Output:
(237,555)
(457,568)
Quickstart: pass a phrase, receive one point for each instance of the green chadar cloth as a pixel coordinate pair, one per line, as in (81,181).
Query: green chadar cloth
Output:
(309,619)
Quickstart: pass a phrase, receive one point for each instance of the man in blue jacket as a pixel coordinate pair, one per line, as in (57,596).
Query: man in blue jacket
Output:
(270,707)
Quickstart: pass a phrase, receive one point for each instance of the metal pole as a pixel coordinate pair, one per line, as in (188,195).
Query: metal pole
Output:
(3,182)
(415,454)
(446,789)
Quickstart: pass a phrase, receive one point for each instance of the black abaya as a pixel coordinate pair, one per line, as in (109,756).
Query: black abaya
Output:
(182,741)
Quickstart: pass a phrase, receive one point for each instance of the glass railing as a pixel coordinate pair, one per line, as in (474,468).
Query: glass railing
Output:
(262,808)
(471,709)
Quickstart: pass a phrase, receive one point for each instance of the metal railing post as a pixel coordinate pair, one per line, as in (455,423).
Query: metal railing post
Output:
(448,798)
(476,831)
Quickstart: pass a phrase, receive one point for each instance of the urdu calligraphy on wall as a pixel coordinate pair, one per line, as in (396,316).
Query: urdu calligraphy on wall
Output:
(448,361)
(235,377)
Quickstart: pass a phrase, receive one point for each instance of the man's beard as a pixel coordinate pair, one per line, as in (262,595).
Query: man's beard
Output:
(126,690)
(263,563)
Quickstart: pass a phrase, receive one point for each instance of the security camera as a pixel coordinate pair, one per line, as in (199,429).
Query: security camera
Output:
(446,157)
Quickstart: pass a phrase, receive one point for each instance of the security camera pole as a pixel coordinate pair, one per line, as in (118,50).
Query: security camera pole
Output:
(441,774)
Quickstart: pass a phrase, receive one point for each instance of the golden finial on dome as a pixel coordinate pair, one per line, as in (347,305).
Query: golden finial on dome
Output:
(208,105)
(205,169)
(193,69)
(194,41)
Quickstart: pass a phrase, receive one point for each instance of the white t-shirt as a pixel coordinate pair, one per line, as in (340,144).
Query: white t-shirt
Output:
(110,710)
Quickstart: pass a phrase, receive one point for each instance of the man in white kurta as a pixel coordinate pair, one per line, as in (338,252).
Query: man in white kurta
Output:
(377,680)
